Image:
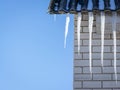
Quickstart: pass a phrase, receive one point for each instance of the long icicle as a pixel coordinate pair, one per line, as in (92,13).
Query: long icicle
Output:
(78,30)
(114,42)
(66,28)
(102,36)
(90,40)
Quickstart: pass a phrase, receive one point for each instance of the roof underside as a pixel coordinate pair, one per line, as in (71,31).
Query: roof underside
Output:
(75,6)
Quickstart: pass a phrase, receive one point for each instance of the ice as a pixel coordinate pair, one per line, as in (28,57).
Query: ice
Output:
(90,39)
(78,30)
(102,36)
(66,28)
(114,42)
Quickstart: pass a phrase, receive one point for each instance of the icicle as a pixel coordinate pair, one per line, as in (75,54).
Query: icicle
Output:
(102,36)
(90,39)
(78,30)
(54,17)
(114,39)
(66,28)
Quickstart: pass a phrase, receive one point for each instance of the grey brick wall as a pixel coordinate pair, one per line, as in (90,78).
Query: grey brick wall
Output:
(102,79)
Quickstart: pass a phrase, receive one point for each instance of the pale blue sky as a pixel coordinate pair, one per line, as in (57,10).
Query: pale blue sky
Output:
(32,56)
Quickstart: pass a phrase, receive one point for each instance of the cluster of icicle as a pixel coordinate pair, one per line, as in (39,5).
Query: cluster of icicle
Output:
(90,26)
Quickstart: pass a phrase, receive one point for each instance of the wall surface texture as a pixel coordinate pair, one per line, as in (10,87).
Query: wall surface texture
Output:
(102,79)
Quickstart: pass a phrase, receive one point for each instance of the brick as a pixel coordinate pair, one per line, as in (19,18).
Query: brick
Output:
(77,84)
(111,84)
(76,42)
(118,55)
(118,49)
(105,62)
(81,63)
(82,89)
(82,49)
(91,84)
(82,77)
(117,35)
(98,49)
(85,30)
(85,17)
(75,30)
(108,25)
(94,56)
(94,70)
(98,36)
(94,42)
(118,77)
(85,23)
(102,89)
(102,77)
(118,62)
(75,17)
(82,36)
(98,56)
(108,55)
(118,69)
(77,70)
(98,42)
(110,70)
(77,56)
(110,42)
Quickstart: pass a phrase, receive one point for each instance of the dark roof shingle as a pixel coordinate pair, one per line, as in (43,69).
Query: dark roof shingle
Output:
(75,6)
